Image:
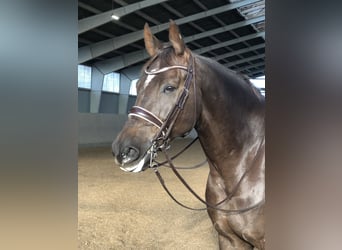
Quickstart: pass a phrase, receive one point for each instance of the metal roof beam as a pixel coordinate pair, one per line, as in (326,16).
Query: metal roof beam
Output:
(220,22)
(257,73)
(97,49)
(88,7)
(229,42)
(120,62)
(139,13)
(96,11)
(94,21)
(250,66)
(244,60)
(238,52)
(224,29)
(179,15)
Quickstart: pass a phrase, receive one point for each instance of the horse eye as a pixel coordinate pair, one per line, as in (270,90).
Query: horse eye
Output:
(169,89)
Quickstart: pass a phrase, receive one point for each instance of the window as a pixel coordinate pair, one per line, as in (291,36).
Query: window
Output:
(133,88)
(259,82)
(111,82)
(84,76)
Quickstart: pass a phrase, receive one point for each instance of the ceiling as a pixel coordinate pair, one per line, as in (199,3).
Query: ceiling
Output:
(231,32)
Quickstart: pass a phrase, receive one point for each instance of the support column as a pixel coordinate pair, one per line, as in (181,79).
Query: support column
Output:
(96,90)
(125,84)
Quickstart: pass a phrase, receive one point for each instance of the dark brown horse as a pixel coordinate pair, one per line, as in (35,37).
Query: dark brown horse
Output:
(179,91)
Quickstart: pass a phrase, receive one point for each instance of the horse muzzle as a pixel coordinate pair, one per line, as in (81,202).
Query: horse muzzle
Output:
(130,157)
(136,166)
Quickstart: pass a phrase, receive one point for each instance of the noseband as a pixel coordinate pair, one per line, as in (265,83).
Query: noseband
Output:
(161,139)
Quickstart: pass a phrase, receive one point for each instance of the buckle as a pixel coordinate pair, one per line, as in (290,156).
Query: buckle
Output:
(183,98)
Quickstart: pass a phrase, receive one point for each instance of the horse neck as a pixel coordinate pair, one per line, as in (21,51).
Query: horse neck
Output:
(231,118)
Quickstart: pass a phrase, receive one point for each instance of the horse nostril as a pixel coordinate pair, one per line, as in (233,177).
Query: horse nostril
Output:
(129,154)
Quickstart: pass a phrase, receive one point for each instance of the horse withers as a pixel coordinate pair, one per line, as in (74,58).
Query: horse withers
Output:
(179,91)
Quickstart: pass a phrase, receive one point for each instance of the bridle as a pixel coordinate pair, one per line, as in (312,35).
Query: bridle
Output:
(161,140)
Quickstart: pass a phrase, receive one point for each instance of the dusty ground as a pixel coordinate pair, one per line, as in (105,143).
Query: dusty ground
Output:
(119,210)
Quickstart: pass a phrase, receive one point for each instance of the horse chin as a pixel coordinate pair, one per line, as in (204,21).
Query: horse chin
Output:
(137,166)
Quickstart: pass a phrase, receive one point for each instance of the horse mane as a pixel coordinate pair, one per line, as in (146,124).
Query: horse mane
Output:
(228,74)
(235,87)
(233,93)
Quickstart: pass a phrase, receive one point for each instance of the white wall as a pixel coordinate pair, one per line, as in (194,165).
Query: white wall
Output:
(96,129)
(100,129)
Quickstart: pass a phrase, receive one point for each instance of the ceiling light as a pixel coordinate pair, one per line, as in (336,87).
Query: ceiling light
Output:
(115,17)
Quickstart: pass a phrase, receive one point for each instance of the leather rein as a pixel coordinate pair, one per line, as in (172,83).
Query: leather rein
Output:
(161,140)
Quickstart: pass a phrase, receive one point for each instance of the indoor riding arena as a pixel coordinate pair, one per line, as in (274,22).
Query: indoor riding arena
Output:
(119,210)
(126,210)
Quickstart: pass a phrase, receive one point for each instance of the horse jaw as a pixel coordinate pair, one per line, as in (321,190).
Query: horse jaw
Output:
(138,167)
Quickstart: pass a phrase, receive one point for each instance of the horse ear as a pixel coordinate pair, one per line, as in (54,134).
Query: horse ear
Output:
(176,38)
(151,42)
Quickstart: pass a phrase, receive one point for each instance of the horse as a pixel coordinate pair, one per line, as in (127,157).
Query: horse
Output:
(179,91)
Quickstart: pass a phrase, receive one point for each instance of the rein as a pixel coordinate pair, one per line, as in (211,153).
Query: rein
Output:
(158,164)
(161,140)
(208,205)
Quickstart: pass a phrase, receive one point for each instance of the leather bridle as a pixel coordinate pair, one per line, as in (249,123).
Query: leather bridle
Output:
(161,140)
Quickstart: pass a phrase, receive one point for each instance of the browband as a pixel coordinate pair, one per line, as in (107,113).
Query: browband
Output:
(154,72)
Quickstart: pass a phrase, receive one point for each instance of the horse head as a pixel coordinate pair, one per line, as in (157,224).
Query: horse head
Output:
(166,102)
